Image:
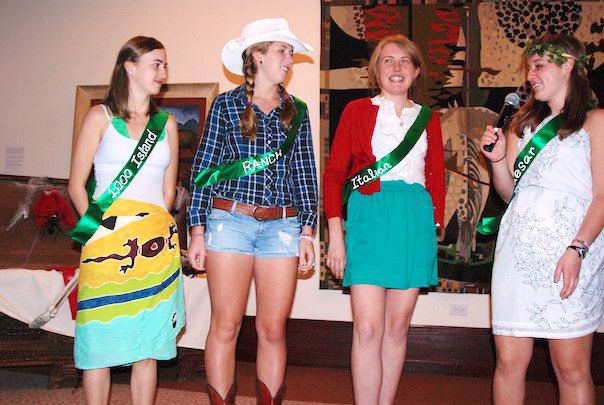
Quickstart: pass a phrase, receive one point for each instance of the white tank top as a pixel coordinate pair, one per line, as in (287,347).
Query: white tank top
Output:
(389,132)
(112,154)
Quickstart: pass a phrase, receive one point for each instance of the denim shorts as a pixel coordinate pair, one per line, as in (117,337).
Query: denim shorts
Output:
(242,234)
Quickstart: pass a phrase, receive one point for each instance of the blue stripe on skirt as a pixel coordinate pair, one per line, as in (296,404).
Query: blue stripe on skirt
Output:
(135,295)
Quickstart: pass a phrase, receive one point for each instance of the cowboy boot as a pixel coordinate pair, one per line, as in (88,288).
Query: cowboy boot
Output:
(216,399)
(264,397)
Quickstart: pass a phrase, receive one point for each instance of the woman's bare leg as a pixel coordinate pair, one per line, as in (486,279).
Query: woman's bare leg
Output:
(571,359)
(368,307)
(513,358)
(229,277)
(399,309)
(275,281)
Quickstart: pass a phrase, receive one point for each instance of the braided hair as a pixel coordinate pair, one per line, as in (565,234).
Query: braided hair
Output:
(248,120)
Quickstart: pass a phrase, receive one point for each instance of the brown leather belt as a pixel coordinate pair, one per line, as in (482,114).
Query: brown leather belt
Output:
(256,211)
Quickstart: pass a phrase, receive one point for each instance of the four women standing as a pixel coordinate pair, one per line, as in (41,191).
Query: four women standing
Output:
(254,210)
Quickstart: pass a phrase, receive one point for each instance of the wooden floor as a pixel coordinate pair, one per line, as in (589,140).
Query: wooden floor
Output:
(330,385)
(324,385)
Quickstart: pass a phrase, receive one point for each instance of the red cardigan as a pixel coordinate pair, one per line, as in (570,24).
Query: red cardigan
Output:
(351,151)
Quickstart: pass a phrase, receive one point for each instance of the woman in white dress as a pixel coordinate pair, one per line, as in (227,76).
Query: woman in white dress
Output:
(548,275)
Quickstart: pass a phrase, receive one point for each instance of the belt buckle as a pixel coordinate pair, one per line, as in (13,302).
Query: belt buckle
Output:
(254,213)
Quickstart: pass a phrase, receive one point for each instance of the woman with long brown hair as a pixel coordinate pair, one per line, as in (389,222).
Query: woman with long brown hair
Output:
(254,206)
(130,301)
(547,276)
(387,161)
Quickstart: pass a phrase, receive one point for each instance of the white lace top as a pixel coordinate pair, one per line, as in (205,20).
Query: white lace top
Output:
(388,133)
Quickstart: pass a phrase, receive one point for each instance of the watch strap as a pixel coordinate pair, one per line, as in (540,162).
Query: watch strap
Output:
(581,251)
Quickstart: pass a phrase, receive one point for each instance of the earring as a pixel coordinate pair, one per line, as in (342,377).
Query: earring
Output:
(130,72)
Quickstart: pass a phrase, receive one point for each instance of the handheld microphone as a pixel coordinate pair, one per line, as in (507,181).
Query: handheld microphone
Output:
(510,106)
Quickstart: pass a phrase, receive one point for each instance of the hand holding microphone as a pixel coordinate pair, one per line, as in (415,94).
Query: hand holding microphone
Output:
(510,106)
(496,144)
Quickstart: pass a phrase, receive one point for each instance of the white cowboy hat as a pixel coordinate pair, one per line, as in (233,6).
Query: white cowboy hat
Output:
(267,29)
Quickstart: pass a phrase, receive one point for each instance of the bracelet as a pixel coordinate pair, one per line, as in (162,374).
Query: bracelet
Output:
(198,234)
(503,157)
(581,251)
(581,241)
(307,236)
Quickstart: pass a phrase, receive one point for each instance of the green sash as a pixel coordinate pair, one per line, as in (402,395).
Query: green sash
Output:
(527,155)
(376,170)
(525,158)
(91,220)
(253,164)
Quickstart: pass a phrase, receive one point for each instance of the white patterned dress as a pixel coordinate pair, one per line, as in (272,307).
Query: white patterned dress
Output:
(542,219)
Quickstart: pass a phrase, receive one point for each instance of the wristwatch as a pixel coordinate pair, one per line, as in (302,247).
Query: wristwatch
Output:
(581,250)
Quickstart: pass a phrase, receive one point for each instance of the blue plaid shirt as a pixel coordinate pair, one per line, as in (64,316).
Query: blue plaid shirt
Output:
(291,181)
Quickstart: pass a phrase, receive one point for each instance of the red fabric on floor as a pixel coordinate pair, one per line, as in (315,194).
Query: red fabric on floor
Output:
(68,273)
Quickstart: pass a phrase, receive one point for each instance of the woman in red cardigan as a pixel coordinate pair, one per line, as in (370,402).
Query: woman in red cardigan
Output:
(387,164)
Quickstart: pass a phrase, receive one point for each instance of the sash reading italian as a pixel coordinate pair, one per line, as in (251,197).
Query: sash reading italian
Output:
(525,158)
(376,170)
(91,220)
(253,164)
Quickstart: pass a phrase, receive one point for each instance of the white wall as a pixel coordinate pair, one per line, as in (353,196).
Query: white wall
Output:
(49,47)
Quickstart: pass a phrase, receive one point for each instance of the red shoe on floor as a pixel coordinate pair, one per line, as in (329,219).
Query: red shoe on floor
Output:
(264,397)
(216,399)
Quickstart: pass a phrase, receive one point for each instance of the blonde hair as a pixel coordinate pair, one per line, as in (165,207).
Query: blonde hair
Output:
(406,45)
(248,120)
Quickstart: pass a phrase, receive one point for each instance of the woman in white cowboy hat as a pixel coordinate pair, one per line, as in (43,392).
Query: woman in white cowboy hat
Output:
(254,206)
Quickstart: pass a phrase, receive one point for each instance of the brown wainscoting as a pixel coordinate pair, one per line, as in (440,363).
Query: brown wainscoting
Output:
(432,349)
(21,346)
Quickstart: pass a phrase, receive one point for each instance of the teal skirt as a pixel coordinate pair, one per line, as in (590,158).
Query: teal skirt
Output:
(391,238)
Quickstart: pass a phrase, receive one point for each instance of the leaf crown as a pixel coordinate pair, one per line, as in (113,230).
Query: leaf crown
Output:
(556,54)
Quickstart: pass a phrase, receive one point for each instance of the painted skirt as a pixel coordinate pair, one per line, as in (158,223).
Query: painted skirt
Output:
(130,297)
(391,238)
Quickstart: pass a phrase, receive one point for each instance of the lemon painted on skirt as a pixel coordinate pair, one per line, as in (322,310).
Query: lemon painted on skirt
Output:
(130,298)
(391,237)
